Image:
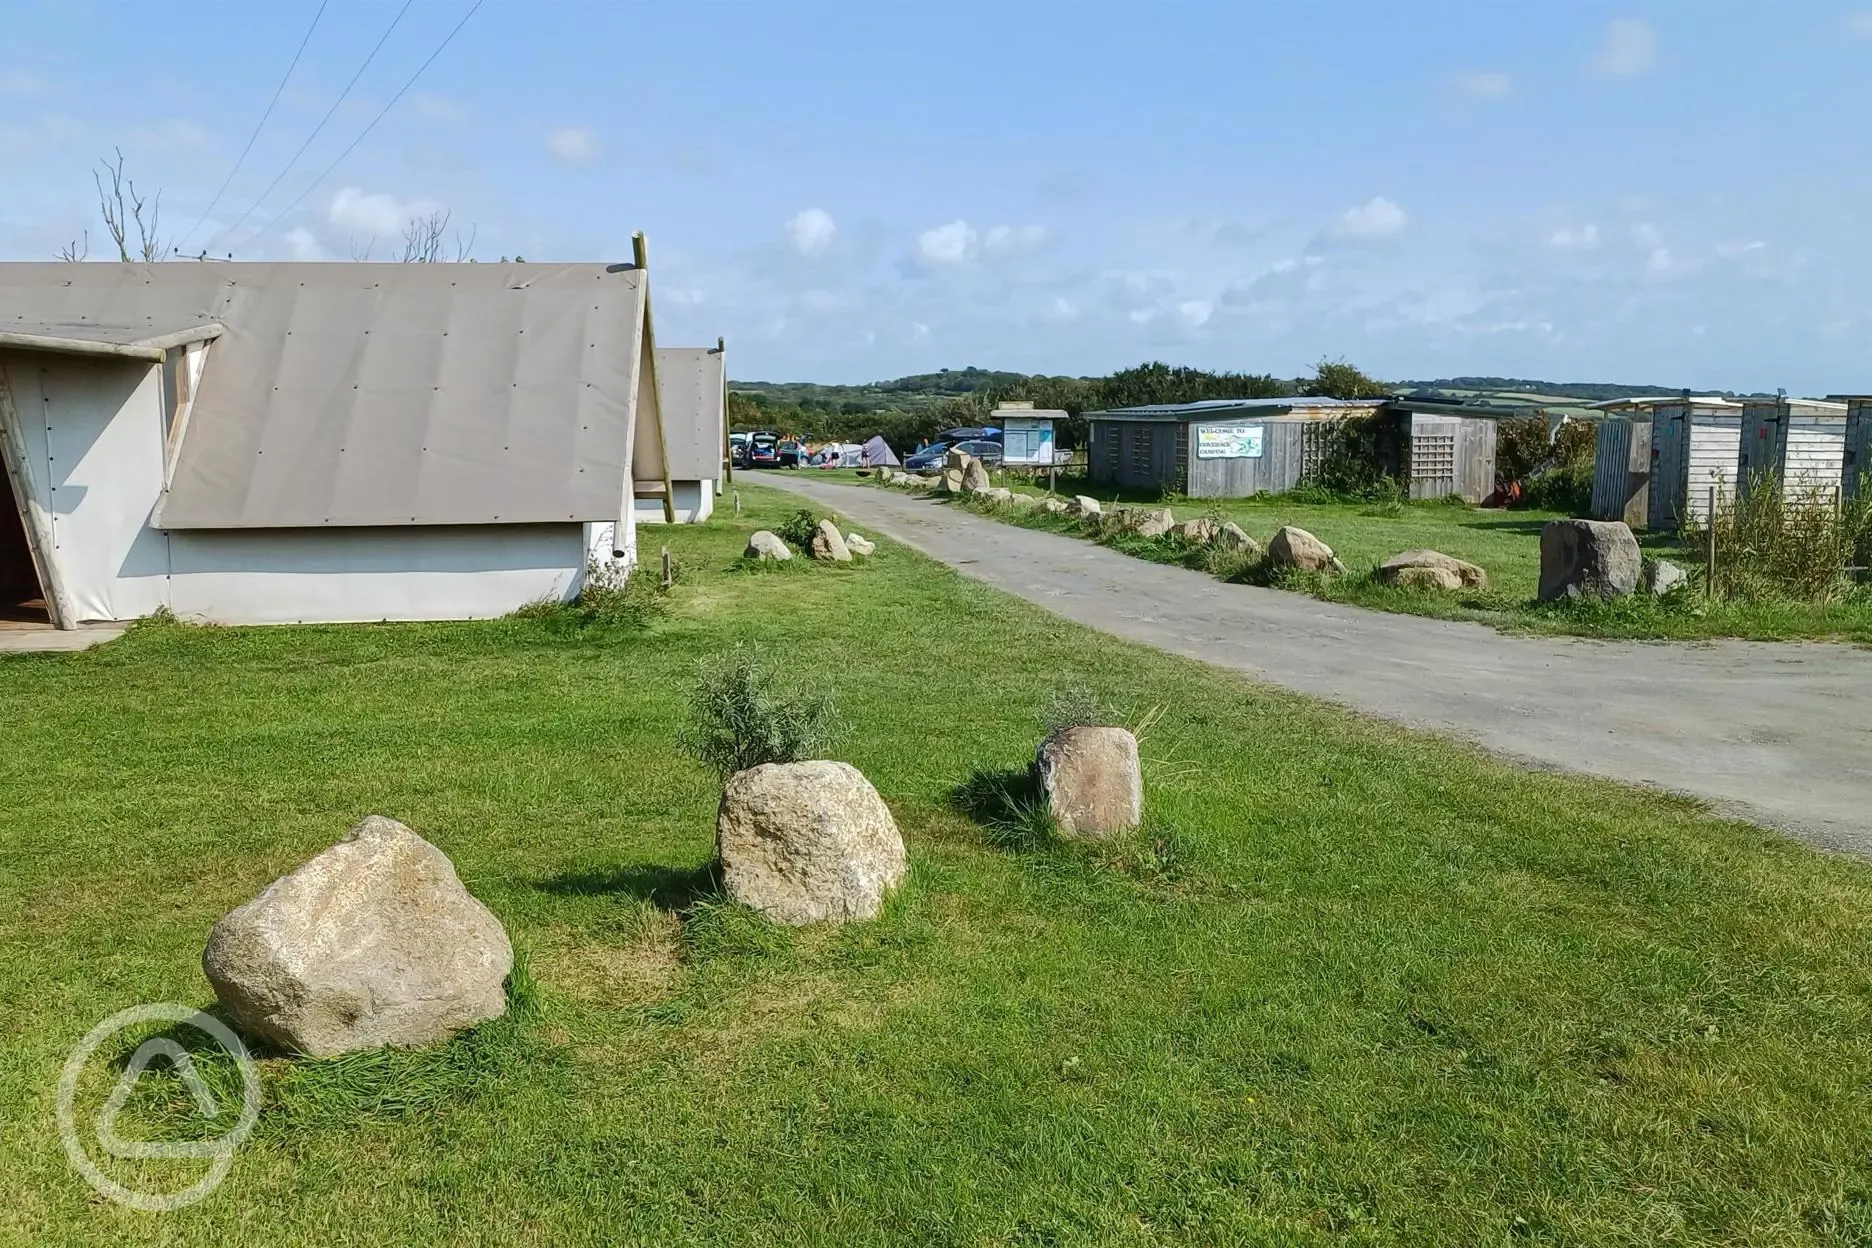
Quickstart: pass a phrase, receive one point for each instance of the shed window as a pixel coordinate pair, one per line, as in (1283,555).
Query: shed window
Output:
(1433,457)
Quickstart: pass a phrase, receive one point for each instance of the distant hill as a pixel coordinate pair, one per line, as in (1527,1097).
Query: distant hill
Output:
(1575,391)
(917,393)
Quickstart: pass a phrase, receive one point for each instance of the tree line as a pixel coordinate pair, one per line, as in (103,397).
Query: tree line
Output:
(1154,382)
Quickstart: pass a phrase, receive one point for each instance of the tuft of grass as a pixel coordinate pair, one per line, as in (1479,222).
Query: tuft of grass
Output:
(743,713)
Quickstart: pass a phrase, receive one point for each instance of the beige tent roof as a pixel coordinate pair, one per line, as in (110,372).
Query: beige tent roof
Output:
(380,394)
(694,385)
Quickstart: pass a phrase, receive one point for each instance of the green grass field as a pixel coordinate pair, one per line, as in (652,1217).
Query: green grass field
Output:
(1352,985)
(1506,543)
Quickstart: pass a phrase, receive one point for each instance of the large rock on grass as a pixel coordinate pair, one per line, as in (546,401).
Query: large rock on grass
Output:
(975,477)
(1299,550)
(1055,506)
(1233,537)
(1150,522)
(1588,558)
(1083,505)
(764,545)
(373,942)
(1431,569)
(807,843)
(1200,531)
(951,481)
(1661,577)
(828,544)
(859,544)
(1092,781)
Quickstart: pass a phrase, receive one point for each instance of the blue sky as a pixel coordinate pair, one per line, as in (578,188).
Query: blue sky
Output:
(1655,193)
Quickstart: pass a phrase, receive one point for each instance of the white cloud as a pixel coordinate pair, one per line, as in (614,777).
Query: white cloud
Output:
(573,145)
(374,214)
(302,244)
(1484,84)
(1063,309)
(1628,48)
(1659,261)
(1732,251)
(812,230)
(1195,312)
(1860,24)
(947,244)
(1380,218)
(1014,239)
(1575,238)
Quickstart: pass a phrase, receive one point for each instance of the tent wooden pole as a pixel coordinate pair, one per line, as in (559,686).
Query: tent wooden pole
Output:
(727,443)
(641,254)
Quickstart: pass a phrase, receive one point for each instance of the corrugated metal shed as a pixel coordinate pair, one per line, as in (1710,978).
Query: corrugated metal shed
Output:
(381,394)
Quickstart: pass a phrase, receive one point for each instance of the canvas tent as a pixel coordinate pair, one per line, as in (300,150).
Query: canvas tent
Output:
(267,443)
(693,383)
(878,454)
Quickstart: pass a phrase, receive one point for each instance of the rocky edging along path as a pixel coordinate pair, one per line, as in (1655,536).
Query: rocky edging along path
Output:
(1776,732)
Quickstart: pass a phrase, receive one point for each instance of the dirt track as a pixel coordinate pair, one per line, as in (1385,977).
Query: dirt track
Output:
(1780,733)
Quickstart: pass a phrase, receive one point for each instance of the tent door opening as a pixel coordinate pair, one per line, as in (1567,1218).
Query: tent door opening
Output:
(22,598)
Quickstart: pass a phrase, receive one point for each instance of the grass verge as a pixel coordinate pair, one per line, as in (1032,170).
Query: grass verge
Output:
(1506,543)
(1357,985)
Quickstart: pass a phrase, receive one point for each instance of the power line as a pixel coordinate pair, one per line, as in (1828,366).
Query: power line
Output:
(316,130)
(313,184)
(277,92)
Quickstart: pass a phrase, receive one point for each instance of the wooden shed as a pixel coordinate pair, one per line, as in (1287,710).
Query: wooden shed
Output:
(1858,442)
(1692,447)
(1216,448)
(1439,449)
(1801,442)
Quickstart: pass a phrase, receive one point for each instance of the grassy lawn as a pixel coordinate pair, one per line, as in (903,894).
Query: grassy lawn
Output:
(1506,543)
(1353,985)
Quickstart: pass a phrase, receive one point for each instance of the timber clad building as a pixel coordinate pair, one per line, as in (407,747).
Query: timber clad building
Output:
(1232,448)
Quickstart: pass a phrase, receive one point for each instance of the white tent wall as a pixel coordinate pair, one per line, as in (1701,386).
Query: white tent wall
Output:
(93,431)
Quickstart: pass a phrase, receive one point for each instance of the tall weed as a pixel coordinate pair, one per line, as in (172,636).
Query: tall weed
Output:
(1797,543)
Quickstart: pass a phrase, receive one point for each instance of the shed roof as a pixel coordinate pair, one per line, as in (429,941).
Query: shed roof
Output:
(1203,409)
(379,394)
(693,381)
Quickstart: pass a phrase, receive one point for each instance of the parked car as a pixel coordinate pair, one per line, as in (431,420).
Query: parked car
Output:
(763,451)
(738,450)
(929,459)
(988,452)
(788,453)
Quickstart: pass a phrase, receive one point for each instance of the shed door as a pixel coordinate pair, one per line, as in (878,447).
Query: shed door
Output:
(1815,448)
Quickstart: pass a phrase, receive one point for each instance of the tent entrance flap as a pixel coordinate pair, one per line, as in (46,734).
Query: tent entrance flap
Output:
(22,600)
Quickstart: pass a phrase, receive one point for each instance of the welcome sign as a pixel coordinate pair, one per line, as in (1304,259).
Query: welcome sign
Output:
(1229,441)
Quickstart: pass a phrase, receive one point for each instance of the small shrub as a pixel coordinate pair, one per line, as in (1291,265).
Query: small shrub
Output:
(742,715)
(1237,566)
(608,599)
(797,529)
(1566,489)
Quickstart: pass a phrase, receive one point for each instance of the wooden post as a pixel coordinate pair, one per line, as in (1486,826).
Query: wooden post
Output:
(668,578)
(1709,551)
(640,249)
(737,504)
(727,443)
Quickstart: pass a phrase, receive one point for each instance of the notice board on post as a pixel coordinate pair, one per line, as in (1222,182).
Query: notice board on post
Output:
(1027,440)
(1229,441)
